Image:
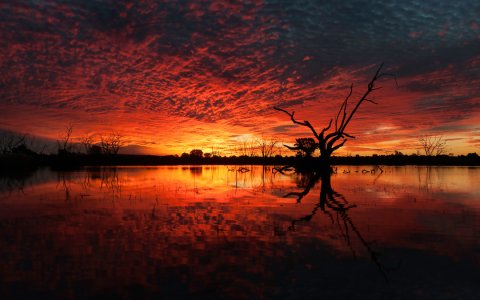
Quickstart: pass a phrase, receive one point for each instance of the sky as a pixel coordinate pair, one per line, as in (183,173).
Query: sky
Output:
(171,76)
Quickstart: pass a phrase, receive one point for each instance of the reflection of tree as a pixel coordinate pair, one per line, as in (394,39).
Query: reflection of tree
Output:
(64,180)
(13,182)
(108,177)
(427,177)
(307,182)
(336,206)
(196,171)
(266,175)
(104,179)
(110,181)
(259,178)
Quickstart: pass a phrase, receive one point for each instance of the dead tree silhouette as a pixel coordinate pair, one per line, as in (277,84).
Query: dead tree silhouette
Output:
(10,141)
(330,142)
(266,147)
(64,143)
(432,145)
(111,143)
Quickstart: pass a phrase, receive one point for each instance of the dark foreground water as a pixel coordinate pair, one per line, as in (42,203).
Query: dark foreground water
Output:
(221,232)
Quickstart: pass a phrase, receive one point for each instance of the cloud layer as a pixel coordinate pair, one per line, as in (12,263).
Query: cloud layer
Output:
(180,74)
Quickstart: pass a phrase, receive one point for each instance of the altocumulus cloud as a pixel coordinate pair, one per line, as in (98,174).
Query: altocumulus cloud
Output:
(229,62)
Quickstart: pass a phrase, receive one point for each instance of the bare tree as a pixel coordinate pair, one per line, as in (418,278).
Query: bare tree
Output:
(267,147)
(10,141)
(247,147)
(64,144)
(111,143)
(244,148)
(433,145)
(330,142)
(88,143)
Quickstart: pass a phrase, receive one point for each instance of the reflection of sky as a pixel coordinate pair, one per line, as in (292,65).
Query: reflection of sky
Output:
(413,179)
(190,230)
(177,75)
(391,207)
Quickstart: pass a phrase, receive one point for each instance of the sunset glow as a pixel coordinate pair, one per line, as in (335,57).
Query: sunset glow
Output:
(179,75)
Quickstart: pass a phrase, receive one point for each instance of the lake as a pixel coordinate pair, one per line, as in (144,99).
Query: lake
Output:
(230,232)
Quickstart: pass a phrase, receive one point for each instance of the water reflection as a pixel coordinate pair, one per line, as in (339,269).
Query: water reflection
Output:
(230,232)
(336,207)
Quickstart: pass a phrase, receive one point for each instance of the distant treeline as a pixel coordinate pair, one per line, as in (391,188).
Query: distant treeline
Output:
(23,161)
(17,154)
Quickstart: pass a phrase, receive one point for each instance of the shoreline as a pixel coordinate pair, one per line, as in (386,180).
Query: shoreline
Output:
(14,163)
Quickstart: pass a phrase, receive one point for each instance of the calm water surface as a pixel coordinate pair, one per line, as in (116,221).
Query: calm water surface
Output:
(222,232)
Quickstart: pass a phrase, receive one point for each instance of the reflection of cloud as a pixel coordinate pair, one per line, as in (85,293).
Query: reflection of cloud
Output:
(172,66)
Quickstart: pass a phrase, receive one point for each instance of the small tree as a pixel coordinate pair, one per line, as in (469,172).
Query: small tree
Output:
(330,142)
(111,143)
(196,153)
(433,145)
(304,147)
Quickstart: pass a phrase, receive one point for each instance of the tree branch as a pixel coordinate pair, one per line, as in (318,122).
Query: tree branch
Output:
(304,123)
(344,107)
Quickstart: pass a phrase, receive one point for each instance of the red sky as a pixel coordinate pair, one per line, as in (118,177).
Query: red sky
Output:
(179,75)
